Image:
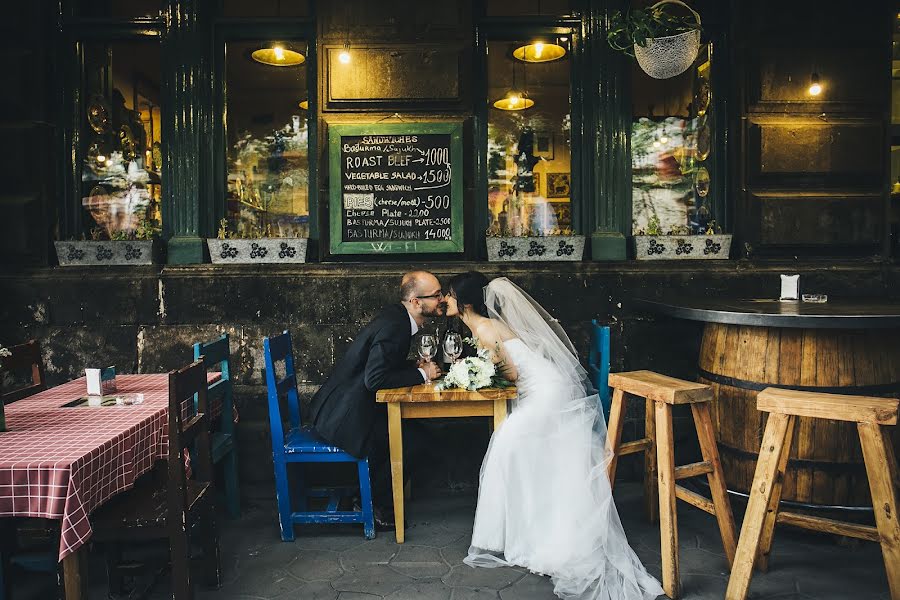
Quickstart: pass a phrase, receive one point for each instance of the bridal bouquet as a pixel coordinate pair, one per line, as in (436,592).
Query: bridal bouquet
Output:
(473,372)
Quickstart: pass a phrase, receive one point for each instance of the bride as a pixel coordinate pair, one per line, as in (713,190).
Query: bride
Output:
(544,502)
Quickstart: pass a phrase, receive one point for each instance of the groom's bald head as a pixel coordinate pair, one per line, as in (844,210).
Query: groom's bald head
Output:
(417,283)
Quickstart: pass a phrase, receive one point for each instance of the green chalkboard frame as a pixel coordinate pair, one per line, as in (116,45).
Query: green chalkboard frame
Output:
(455,244)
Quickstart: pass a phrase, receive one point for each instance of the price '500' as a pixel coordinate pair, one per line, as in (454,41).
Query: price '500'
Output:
(437,202)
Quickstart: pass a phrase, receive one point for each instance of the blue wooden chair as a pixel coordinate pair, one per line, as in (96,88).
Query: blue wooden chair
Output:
(598,364)
(216,356)
(301,444)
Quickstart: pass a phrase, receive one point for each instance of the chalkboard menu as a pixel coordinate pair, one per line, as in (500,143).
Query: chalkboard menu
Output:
(395,188)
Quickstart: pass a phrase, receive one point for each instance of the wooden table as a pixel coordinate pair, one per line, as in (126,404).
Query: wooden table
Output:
(424,402)
(844,346)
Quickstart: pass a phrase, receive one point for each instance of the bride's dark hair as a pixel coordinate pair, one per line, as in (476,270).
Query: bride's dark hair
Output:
(468,288)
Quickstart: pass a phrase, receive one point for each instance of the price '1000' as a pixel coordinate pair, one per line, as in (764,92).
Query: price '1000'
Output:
(437,202)
(437,156)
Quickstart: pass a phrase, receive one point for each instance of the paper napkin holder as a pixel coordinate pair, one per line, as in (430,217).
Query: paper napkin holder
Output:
(790,287)
(101,381)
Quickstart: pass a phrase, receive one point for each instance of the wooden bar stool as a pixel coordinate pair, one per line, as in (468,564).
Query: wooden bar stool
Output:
(660,473)
(784,406)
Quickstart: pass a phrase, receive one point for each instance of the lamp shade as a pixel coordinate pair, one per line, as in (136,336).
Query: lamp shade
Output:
(539,52)
(278,55)
(514,101)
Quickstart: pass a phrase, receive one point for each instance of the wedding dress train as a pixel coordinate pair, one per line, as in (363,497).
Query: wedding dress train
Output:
(544,501)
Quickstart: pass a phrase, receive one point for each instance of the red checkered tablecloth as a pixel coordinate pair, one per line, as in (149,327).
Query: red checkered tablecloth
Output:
(62,463)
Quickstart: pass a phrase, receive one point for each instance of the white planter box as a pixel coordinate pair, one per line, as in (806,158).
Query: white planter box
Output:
(677,247)
(105,252)
(257,250)
(555,247)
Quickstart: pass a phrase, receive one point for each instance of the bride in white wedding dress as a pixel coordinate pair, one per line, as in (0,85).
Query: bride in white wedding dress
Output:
(544,502)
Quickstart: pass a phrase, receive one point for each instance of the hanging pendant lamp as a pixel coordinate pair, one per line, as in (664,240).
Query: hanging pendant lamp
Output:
(278,55)
(515,99)
(539,51)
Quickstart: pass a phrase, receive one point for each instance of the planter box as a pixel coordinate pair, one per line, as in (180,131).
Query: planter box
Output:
(257,250)
(105,252)
(676,247)
(556,247)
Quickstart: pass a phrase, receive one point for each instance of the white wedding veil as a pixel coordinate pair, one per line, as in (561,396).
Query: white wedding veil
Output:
(508,304)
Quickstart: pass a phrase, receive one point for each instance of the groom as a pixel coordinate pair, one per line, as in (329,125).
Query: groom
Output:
(344,411)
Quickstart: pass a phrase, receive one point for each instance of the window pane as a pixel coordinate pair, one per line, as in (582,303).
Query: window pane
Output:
(267,143)
(672,154)
(529,157)
(122,156)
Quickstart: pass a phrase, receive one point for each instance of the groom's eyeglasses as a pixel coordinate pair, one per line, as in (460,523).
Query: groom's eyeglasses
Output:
(438,294)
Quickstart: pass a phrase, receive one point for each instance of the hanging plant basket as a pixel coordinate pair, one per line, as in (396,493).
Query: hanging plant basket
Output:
(666,56)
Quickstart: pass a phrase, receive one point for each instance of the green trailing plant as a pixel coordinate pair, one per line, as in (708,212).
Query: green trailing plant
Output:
(636,26)
(147,229)
(655,229)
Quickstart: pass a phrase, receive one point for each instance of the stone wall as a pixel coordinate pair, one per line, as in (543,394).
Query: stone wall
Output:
(146,319)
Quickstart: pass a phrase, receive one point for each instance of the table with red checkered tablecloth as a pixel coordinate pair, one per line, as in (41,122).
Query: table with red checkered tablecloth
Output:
(62,463)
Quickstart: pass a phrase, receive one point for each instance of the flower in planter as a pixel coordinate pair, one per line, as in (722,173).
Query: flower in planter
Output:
(565,248)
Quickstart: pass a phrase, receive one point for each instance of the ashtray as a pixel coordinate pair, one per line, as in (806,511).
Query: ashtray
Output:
(815,298)
(129,399)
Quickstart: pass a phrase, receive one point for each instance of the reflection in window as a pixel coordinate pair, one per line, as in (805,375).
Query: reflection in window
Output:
(121,146)
(529,150)
(671,155)
(267,142)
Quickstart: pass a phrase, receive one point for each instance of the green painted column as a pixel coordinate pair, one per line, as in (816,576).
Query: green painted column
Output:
(609,94)
(187,127)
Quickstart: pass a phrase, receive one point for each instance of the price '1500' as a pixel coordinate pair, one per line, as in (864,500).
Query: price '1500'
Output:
(436,176)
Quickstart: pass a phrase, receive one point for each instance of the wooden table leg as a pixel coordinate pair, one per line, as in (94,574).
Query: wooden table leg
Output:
(395,438)
(499,413)
(75,574)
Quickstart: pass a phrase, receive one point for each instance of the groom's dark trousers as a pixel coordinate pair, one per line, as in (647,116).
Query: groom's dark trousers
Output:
(344,411)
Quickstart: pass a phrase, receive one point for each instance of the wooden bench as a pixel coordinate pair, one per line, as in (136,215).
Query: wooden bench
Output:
(784,407)
(660,393)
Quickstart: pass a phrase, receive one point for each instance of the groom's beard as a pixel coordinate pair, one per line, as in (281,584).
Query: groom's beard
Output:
(439,311)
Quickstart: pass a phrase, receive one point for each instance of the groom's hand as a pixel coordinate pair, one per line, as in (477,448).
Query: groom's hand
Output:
(432,370)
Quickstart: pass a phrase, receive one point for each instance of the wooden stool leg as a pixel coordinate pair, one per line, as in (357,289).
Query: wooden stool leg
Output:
(768,530)
(614,433)
(651,488)
(877,453)
(761,493)
(707,437)
(668,521)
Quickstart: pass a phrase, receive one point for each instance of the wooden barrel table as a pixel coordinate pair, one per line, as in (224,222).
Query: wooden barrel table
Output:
(838,347)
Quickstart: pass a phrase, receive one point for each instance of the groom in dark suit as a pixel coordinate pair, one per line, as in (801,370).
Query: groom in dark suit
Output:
(344,411)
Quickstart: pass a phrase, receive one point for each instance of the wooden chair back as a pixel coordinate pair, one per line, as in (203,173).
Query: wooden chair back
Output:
(192,432)
(216,356)
(24,358)
(277,349)
(598,364)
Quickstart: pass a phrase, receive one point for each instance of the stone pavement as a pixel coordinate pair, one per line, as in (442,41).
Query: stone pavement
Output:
(337,563)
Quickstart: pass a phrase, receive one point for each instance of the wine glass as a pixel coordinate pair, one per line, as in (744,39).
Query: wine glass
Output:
(452,346)
(427,346)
